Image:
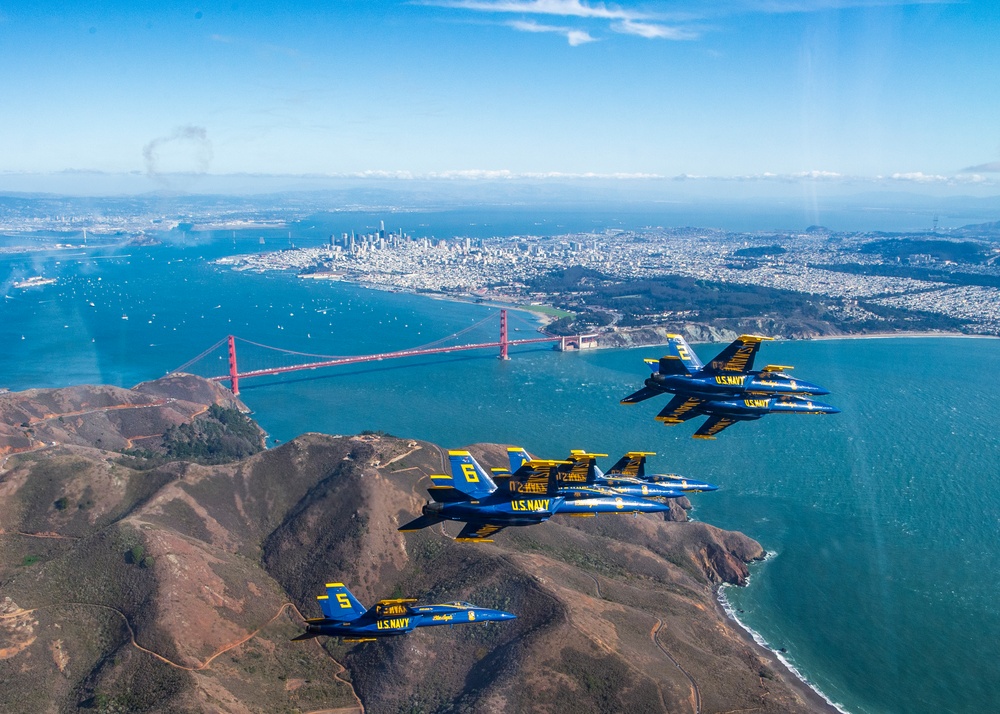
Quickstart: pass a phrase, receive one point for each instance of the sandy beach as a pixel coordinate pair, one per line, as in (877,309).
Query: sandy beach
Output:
(790,678)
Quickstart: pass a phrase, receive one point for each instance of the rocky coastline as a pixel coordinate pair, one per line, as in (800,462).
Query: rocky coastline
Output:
(147,582)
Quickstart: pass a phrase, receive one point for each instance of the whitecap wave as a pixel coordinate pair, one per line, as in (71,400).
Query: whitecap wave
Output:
(759,639)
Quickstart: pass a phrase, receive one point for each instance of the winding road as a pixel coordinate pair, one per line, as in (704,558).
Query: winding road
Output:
(695,691)
(204,665)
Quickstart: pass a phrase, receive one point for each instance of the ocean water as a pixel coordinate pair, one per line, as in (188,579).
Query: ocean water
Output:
(883,520)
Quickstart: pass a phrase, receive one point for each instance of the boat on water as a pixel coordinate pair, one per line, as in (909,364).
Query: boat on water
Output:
(34,282)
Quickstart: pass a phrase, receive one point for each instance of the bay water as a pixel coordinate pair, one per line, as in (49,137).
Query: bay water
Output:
(882,520)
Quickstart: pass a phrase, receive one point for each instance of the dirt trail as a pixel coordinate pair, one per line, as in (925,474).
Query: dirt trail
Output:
(204,665)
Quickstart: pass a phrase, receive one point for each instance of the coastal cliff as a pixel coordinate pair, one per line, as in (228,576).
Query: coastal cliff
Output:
(148,582)
(715,332)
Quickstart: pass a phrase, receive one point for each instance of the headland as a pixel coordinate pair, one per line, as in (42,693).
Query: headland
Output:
(155,557)
(709,285)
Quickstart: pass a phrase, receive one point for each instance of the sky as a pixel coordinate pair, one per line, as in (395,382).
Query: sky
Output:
(877,91)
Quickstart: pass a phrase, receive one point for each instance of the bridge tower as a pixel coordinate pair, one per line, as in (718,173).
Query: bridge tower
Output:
(234,375)
(503,335)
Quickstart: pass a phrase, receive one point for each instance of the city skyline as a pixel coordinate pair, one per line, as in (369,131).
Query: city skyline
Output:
(867,92)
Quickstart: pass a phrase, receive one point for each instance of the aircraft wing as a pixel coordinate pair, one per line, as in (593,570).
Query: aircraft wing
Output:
(479,532)
(641,395)
(712,426)
(680,408)
(738,357)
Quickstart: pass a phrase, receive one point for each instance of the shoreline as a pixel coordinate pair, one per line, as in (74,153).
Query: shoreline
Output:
(544,319)
(893,335)
(795,680)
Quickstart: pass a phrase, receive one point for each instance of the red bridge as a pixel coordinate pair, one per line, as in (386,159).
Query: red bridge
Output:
(235,375)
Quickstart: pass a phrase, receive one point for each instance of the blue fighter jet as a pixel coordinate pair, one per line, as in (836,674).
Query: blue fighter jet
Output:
(581,470)
(728,389)
(345,617)
(726,412)
(471,496)
(633,464)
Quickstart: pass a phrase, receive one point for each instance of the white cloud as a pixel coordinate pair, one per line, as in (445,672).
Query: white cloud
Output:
(574,37)
(560,8)
(622,20)
(803,6)
(920,177)
(653,31)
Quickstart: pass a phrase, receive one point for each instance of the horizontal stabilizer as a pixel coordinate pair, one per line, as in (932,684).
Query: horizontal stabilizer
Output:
(642,395)
(422,522)
(680,409)
(305,636)
(479,532)
(712,426)
(446,494)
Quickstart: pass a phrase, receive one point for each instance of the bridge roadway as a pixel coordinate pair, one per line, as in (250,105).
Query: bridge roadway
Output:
(385,355)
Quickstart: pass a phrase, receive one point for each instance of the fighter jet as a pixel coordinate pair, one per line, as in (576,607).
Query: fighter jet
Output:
(728,389)
(345,617)
(633,464)
(730,374)
(471,496)
(581,470)
(723,413)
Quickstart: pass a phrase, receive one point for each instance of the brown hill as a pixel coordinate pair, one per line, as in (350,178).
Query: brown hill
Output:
(105,417)
(153,585)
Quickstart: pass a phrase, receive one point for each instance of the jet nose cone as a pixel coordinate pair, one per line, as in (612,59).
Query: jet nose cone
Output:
(820,408)
(709,487)
(819,391)
(508,616)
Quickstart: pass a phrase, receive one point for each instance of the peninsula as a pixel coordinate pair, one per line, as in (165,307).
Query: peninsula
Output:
(155,558)
(631,287)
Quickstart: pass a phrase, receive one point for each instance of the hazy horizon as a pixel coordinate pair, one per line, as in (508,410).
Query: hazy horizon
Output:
(840,90)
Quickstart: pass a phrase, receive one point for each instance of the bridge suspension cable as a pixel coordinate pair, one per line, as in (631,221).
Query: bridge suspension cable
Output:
(203,354)
(235,373)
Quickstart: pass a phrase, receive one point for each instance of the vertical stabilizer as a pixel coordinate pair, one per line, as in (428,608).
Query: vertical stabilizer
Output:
(582,468)
(469,477)
(680,358)
(518,457)
(632,464)
(339,603)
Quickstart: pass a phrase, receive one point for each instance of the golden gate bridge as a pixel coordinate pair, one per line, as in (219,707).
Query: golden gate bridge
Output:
(319,361)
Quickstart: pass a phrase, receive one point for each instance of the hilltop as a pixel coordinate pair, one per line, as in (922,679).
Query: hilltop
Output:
(150,582)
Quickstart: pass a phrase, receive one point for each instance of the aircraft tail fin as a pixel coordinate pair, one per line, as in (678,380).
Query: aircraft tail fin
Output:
(469,477)
(518,457)
(339,603)
(680,358)
(738,357)
(632,464)
(538,476)
(582,467)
